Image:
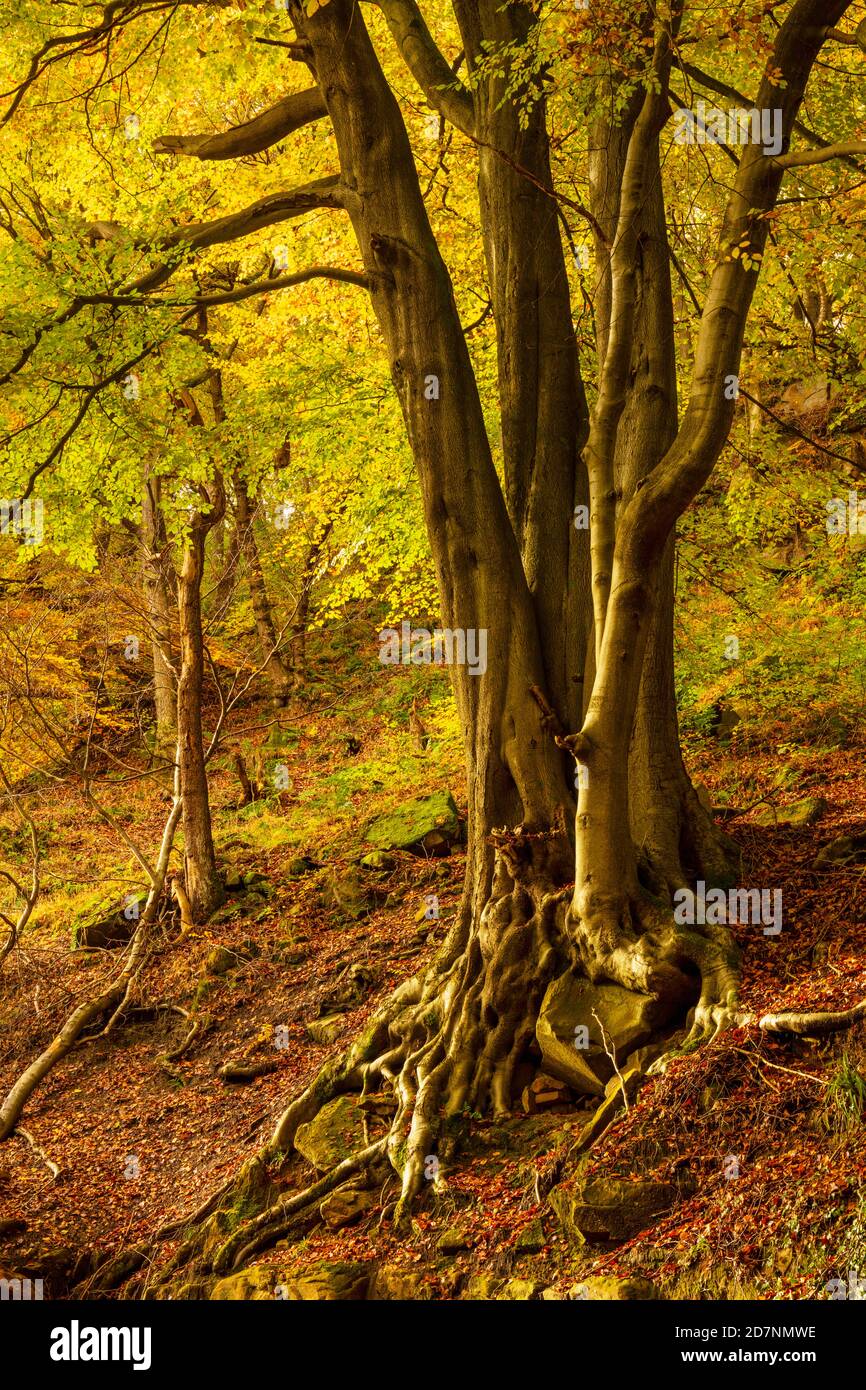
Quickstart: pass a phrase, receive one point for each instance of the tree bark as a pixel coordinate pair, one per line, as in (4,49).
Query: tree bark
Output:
(276,670)
(158,585)
(203,884)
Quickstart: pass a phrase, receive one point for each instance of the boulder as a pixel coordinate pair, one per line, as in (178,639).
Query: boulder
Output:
(604,1208)
(427,825)
(630,1020)
(334,1134)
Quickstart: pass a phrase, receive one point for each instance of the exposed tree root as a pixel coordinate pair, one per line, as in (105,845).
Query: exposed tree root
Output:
(813,1024)
(270,1224)
(446,1043)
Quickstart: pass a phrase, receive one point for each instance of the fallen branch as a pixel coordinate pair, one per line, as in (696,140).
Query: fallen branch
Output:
(247,1071)
(109,999)
(39,1151)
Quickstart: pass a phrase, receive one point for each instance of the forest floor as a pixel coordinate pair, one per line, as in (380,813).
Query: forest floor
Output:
(768,1133)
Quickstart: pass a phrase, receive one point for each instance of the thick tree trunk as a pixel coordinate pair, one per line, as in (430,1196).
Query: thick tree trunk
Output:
(203,884)
(679,840)
(543,406)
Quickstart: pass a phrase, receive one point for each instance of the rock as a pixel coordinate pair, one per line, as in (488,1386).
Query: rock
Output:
(334,1134)
(543,1092)
(346,891)
(630,1020)
(233,881)
(453,1241)
(602,1208)
(847,849)
(427,825)
(300,865)
(325,1030)
(116,928)
(520,1289)
(392,1282)
(480,1286)
(346,1205)
(221,960)
(607,1288)
(254,1285)
(378,861)
(531,1239)
(327,1282)
(793,817)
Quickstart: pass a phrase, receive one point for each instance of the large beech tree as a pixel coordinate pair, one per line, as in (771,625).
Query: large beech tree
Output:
(579,624)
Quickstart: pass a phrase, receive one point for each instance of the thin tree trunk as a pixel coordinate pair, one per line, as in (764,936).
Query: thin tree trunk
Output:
(276,670)
(157,588)
(203,884)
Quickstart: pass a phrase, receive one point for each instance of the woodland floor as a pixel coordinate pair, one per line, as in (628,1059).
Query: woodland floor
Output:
(792,1219)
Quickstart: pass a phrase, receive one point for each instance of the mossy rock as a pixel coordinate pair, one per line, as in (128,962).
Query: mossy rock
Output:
(426,825)
(481,1287)
(116,928)
(531,1239)
(378,861)
(220,960)
(394,1282)
(346,1206)
(520,1290)
(602,1208)
(327,1029)
(247,1285)
(334,1134)
(346,891)
(328,1282)
(802,813)
(607,1288)
(453,1241)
